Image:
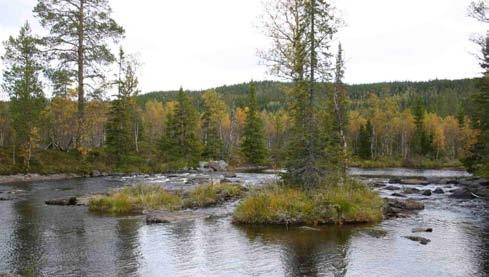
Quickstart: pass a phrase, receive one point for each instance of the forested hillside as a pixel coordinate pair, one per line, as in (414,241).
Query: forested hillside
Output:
(444,97)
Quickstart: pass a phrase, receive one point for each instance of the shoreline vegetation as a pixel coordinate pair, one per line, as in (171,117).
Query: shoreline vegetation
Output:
(350,203)
(143,197)
(276,204)
(52,162)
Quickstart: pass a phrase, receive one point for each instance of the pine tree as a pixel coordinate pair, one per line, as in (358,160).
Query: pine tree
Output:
(181,141)
(79,32)
(21,80)
(253,144)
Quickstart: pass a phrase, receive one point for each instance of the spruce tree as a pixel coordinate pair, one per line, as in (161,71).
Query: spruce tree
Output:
(214,112)
(181,142)
(253,144)
(21,80)
(478,160)
(122,139)
(365,141)
(302,32)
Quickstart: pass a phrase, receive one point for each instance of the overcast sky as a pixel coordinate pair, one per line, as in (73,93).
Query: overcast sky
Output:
(201,44)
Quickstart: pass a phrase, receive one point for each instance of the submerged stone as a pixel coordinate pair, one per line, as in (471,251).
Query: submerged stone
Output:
(421,240)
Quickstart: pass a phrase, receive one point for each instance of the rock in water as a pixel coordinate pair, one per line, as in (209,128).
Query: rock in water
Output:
(72,201)
(438,191)
(230,175)
(427,192)
(422,230)
(423,241)
(411,190)
(462,193)
(153,219)
(218,165)
(392,188)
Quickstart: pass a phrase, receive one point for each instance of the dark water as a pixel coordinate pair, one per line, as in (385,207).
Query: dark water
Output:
(41,240)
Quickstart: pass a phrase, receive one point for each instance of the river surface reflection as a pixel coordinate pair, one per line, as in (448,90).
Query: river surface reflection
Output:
(40,240)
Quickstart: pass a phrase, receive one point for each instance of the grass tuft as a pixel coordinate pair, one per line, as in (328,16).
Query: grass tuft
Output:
(152,197)
(350,203)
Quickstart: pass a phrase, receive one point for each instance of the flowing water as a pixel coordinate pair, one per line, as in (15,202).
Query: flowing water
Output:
(41,240)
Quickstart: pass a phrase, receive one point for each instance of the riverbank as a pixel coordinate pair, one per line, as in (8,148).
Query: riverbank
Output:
(420,163)
(24,178)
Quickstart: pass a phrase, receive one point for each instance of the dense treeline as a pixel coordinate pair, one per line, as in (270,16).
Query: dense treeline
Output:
(312,125)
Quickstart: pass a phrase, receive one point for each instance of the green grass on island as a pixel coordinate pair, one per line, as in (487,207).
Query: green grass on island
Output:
(141,197)
(332,204)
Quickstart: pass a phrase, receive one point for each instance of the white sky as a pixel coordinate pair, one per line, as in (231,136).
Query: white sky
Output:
(201,44)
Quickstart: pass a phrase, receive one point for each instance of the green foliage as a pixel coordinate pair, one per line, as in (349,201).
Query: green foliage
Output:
(350,203)
(79,33)
(365,141)
(181,141)
(214,112)
(253,144)
(123,117)
(21,80)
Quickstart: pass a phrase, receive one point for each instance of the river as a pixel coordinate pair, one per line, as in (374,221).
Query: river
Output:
(41,240)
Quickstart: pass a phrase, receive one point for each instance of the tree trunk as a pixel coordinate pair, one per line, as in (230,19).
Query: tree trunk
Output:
(81,73)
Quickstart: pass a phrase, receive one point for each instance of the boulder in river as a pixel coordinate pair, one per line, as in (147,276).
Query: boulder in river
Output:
(401,208)
(422,230)
(411,190)
(392,188)
(427,192)
(396,194)
(462,193)
(155,219)
(438,191)
(6,198)
(72,201)
(230,175)
(218,165)
(394,180)
(423,241)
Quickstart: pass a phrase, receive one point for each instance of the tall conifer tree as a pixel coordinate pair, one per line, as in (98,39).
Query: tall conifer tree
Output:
(253,144)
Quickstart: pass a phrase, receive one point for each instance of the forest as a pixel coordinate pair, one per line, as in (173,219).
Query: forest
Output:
(385,123)
(61,116)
